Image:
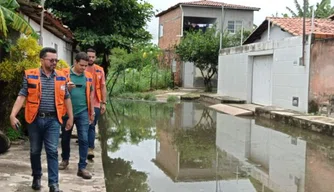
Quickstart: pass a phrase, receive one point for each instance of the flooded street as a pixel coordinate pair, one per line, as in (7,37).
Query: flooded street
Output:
(187,147)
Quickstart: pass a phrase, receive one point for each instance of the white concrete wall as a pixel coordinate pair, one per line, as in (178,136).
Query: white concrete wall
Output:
(50,40)
(275,34)
(289,79)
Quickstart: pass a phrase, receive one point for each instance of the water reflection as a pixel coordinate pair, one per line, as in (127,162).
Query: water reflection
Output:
(188,148)
(185,148)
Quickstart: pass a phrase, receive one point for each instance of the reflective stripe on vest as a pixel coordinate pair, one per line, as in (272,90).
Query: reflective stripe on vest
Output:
(35,90)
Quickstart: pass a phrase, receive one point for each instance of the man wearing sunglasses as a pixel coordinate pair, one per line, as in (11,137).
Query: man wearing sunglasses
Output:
(45,92)
(81,91)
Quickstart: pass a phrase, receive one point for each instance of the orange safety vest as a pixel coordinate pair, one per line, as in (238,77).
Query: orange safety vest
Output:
(35,91)
(89,81)
(97,78)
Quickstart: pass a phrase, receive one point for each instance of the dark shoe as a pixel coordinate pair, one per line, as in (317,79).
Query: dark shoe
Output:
(63,165)
(36,183)
(84,174)
(55,188)
(90,155)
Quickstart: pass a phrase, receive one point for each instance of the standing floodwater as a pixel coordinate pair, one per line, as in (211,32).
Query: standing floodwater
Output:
(187,147)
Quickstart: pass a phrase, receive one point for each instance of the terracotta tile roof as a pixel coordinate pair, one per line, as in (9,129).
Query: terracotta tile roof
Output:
(205,3)
(294,26)
(51,23)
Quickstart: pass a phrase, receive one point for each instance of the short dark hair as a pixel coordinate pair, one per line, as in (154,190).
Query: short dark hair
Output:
(81,56)
(46,50)
(91,50)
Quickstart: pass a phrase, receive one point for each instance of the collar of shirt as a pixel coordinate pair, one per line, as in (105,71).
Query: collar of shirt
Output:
(73,73)
(53,74)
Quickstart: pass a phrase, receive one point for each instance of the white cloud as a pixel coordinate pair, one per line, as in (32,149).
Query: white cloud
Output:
(268,7)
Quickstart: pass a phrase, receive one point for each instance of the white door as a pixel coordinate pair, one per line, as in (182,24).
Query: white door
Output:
(188,74)
(261,85)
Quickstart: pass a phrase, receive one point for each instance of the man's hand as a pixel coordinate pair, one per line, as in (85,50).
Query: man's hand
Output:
(91,118)
(14,121)
(103,108)
(69,124)
(70,85)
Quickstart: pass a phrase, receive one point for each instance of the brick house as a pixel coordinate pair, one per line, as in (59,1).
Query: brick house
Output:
(201,14)
(269,68)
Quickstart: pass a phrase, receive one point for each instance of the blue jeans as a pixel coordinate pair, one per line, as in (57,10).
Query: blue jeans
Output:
(44,130)
(81,121)
(91,131)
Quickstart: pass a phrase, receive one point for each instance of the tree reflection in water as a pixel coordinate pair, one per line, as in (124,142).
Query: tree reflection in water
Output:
(197,145)
(128,122)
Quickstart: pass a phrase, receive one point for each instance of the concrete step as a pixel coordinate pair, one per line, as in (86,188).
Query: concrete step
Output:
(231,110)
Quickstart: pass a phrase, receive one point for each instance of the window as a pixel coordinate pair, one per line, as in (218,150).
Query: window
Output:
(161,30)
(234,26)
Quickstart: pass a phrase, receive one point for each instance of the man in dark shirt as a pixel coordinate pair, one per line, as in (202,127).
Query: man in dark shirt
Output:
(45,93)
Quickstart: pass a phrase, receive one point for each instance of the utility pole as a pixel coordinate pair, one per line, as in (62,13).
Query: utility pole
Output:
(41,24)
(304,35)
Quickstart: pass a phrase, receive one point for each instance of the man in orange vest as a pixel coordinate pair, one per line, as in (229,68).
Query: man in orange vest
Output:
(45,92)
(99,100)
(81,91)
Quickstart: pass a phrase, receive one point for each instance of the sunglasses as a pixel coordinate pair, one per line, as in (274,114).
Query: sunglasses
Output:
(52,60)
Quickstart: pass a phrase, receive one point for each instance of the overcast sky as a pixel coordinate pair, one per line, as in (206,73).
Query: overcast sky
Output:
(268,7)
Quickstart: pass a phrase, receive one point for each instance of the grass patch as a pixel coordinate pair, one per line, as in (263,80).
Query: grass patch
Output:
(12,134)
(172,99)
(190,96)
(150,97)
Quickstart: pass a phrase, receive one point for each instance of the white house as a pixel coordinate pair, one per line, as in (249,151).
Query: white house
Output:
(54,33)
(269,70)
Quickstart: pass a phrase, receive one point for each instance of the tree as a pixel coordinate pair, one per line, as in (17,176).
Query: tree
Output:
(202,49)
(105,24)
(9,18)
(322,9)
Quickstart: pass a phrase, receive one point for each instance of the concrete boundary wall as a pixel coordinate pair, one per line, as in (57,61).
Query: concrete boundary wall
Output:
(289,79)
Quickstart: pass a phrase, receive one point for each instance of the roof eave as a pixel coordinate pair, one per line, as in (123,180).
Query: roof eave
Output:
(206,6)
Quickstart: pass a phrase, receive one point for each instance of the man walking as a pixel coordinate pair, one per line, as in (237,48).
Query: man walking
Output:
(99,99)
(81,91)
(44,90)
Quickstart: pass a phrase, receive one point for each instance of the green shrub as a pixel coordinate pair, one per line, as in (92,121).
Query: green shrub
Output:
(172,98)
(12,134)
(139,96)
(150,97)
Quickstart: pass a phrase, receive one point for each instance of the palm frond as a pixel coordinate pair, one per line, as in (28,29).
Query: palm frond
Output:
(293,14)
(3,23)
(17,22)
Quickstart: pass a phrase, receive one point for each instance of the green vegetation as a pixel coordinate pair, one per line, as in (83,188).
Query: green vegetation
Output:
(140,70)
(10,19)
(172,98)
(138,96)
(105,24)
(323,9)
(12,134)
(202,49)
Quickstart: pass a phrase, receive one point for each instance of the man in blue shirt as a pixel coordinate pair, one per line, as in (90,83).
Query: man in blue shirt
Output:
(45,91)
